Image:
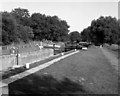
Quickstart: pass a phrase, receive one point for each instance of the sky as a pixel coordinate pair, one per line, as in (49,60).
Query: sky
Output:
(77,13)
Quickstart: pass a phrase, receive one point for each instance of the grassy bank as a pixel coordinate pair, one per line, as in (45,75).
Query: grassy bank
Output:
(114,50)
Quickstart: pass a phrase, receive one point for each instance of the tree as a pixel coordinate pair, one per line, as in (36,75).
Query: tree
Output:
(97,29)
(24,33)
(74,36)
(102,30)
(37,24)
(22,16)
(111,35)
(50,28)
(0,28)
(14,32)
(8,29)
(86,35)
(18,26)
(118,41)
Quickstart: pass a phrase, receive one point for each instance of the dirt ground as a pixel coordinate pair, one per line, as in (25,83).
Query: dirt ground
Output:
(89,68)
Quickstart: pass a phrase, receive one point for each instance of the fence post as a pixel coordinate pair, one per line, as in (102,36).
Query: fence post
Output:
(54,48)
(17,51)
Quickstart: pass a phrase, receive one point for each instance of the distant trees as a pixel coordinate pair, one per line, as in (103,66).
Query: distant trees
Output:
(19,26)
(47,27)
(86,35)
(22,16)
(74,36)
(8,29)
(13,30)
(24,33)
(103,30)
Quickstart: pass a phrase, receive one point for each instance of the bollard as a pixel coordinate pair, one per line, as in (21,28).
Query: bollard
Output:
(54,48)
(100,46)
(62,54)
(40,47)
(27,65)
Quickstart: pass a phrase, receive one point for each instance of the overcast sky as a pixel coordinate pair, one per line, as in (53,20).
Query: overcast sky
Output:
(77,14)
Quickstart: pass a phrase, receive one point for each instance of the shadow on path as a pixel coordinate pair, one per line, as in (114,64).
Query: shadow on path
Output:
(46,85)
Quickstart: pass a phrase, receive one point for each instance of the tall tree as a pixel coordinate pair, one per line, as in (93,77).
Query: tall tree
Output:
(0,28)
(24,33)
(18,26)
(14,32)
(37,24)
(102,30)
(47,27)
(74,36)
(22,16)
(8,29)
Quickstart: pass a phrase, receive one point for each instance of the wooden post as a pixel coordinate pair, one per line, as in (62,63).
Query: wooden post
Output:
(17,56)
(54,48)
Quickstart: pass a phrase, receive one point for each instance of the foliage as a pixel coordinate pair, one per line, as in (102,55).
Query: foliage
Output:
(8,29)
(24,33)
(22,16)
(18,26)
(47,27)
(74,36)
(13,31)
(102,30)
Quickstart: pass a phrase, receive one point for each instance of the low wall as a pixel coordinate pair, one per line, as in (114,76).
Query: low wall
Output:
(28,57)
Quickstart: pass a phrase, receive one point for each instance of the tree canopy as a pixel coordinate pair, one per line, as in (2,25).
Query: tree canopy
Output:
(18,26)
(74,36)
(103,30)
(47,27)
(8,28)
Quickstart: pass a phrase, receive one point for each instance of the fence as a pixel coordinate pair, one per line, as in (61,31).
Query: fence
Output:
(32,46)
